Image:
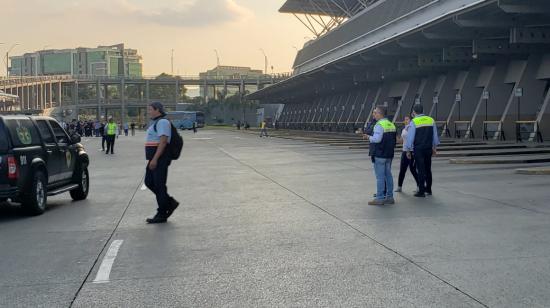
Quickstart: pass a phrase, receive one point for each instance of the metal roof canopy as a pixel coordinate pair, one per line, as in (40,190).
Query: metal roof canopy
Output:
(333,8)
(321,16)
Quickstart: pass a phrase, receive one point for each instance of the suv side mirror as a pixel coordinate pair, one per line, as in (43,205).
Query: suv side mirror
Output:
(75,138)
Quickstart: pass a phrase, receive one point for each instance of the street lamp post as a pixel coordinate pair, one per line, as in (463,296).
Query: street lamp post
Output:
(265,60)
(217,57)
(8,59)
(172,63)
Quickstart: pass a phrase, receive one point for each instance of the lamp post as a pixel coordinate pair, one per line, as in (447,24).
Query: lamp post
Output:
(8,59)
(172,63)
(217,57)
(265,60)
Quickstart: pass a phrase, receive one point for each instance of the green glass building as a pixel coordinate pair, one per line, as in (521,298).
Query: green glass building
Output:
(109,61)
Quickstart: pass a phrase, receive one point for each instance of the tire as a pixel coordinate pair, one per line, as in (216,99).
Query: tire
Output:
(35,199)
(81,193)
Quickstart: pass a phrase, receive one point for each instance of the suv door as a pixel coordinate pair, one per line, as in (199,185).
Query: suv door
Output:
(68,151)
(54,158)
(4,148)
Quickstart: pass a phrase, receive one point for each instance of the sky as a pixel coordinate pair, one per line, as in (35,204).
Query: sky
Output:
(238,29)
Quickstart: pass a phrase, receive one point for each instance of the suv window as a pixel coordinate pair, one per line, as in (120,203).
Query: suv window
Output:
(23,132)
(3,139)
(44,129)
(59,133)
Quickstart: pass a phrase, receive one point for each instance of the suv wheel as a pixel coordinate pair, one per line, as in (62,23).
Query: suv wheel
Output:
(81,192)
(34,201)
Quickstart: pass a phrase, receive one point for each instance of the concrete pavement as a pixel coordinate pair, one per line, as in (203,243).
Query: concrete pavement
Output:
(275,222)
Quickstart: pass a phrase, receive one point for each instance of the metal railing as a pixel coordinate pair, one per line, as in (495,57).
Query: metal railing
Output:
(18,80)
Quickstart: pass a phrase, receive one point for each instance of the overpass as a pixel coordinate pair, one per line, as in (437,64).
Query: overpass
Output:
(480,67)
(67,96)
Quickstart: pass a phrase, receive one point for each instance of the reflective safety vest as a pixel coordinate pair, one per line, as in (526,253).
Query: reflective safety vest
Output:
(386,148)
(111,129)
(424,136)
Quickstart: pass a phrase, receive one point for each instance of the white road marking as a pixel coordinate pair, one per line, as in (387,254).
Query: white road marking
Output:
(105,269)
(143,187)
(202,138)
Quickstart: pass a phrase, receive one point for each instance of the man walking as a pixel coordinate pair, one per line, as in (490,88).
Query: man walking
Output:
(157,140)
(133,128)
(263,129)
(110,132)
(382,153)
(422,139)
(405,161)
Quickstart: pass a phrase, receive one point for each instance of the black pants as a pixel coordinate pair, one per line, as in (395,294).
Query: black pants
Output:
(407,163)
(111,143)
(155,180)
(423,160)
(103,141)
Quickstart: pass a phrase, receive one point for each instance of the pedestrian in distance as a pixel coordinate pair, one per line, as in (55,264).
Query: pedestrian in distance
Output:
(406,163)
(422,141)
(126,129)
(194,127)
(133,128)
(111,134)
(384,140)
(158,137)
(263,129)
(103,136)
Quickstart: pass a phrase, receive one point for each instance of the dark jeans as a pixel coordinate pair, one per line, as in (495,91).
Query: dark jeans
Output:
(103,140)
(155,180)
(111,143)
(423,159)
(407,163)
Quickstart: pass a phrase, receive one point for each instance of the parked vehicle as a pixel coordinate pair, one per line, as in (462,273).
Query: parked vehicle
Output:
(39,159)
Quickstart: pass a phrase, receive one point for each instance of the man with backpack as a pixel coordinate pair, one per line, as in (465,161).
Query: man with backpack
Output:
(162,145)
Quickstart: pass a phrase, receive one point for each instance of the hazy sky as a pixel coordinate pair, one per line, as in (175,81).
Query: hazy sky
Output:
(193,28)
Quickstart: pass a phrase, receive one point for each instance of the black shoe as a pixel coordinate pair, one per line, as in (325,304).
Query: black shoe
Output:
(420,195)
(173,206)
(158,219)
(429,193)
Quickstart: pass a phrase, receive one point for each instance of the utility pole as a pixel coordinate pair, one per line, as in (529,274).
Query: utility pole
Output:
(172,63)
(265,61)
(217,57)
(8,60)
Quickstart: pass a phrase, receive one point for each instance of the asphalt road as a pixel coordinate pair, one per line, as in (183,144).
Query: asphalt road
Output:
(274,222)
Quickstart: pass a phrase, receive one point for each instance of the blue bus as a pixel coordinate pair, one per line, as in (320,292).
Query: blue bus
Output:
(185,119)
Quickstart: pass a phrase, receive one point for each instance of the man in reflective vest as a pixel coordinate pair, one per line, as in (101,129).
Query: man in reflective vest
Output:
(422,140)
(384,138)
(110,132)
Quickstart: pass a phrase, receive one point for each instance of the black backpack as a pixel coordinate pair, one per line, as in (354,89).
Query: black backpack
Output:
(176,142)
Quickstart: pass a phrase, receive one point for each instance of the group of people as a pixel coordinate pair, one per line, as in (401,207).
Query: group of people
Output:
(244,125)
(108,131)
(420,140)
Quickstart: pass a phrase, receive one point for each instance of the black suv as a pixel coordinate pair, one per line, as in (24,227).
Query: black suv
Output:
(39,159)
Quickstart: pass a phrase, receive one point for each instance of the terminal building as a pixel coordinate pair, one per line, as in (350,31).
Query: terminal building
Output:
(481,68)
(109,61)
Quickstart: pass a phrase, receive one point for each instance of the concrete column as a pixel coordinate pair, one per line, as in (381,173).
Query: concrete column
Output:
(148,91)
(122,101)
(98,98)
(75,99)
(50,85)
(205,91)
(59,94)
(177,92)
(518,74)
(43,95)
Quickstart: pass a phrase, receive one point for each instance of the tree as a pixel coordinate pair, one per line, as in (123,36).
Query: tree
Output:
(167,91)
